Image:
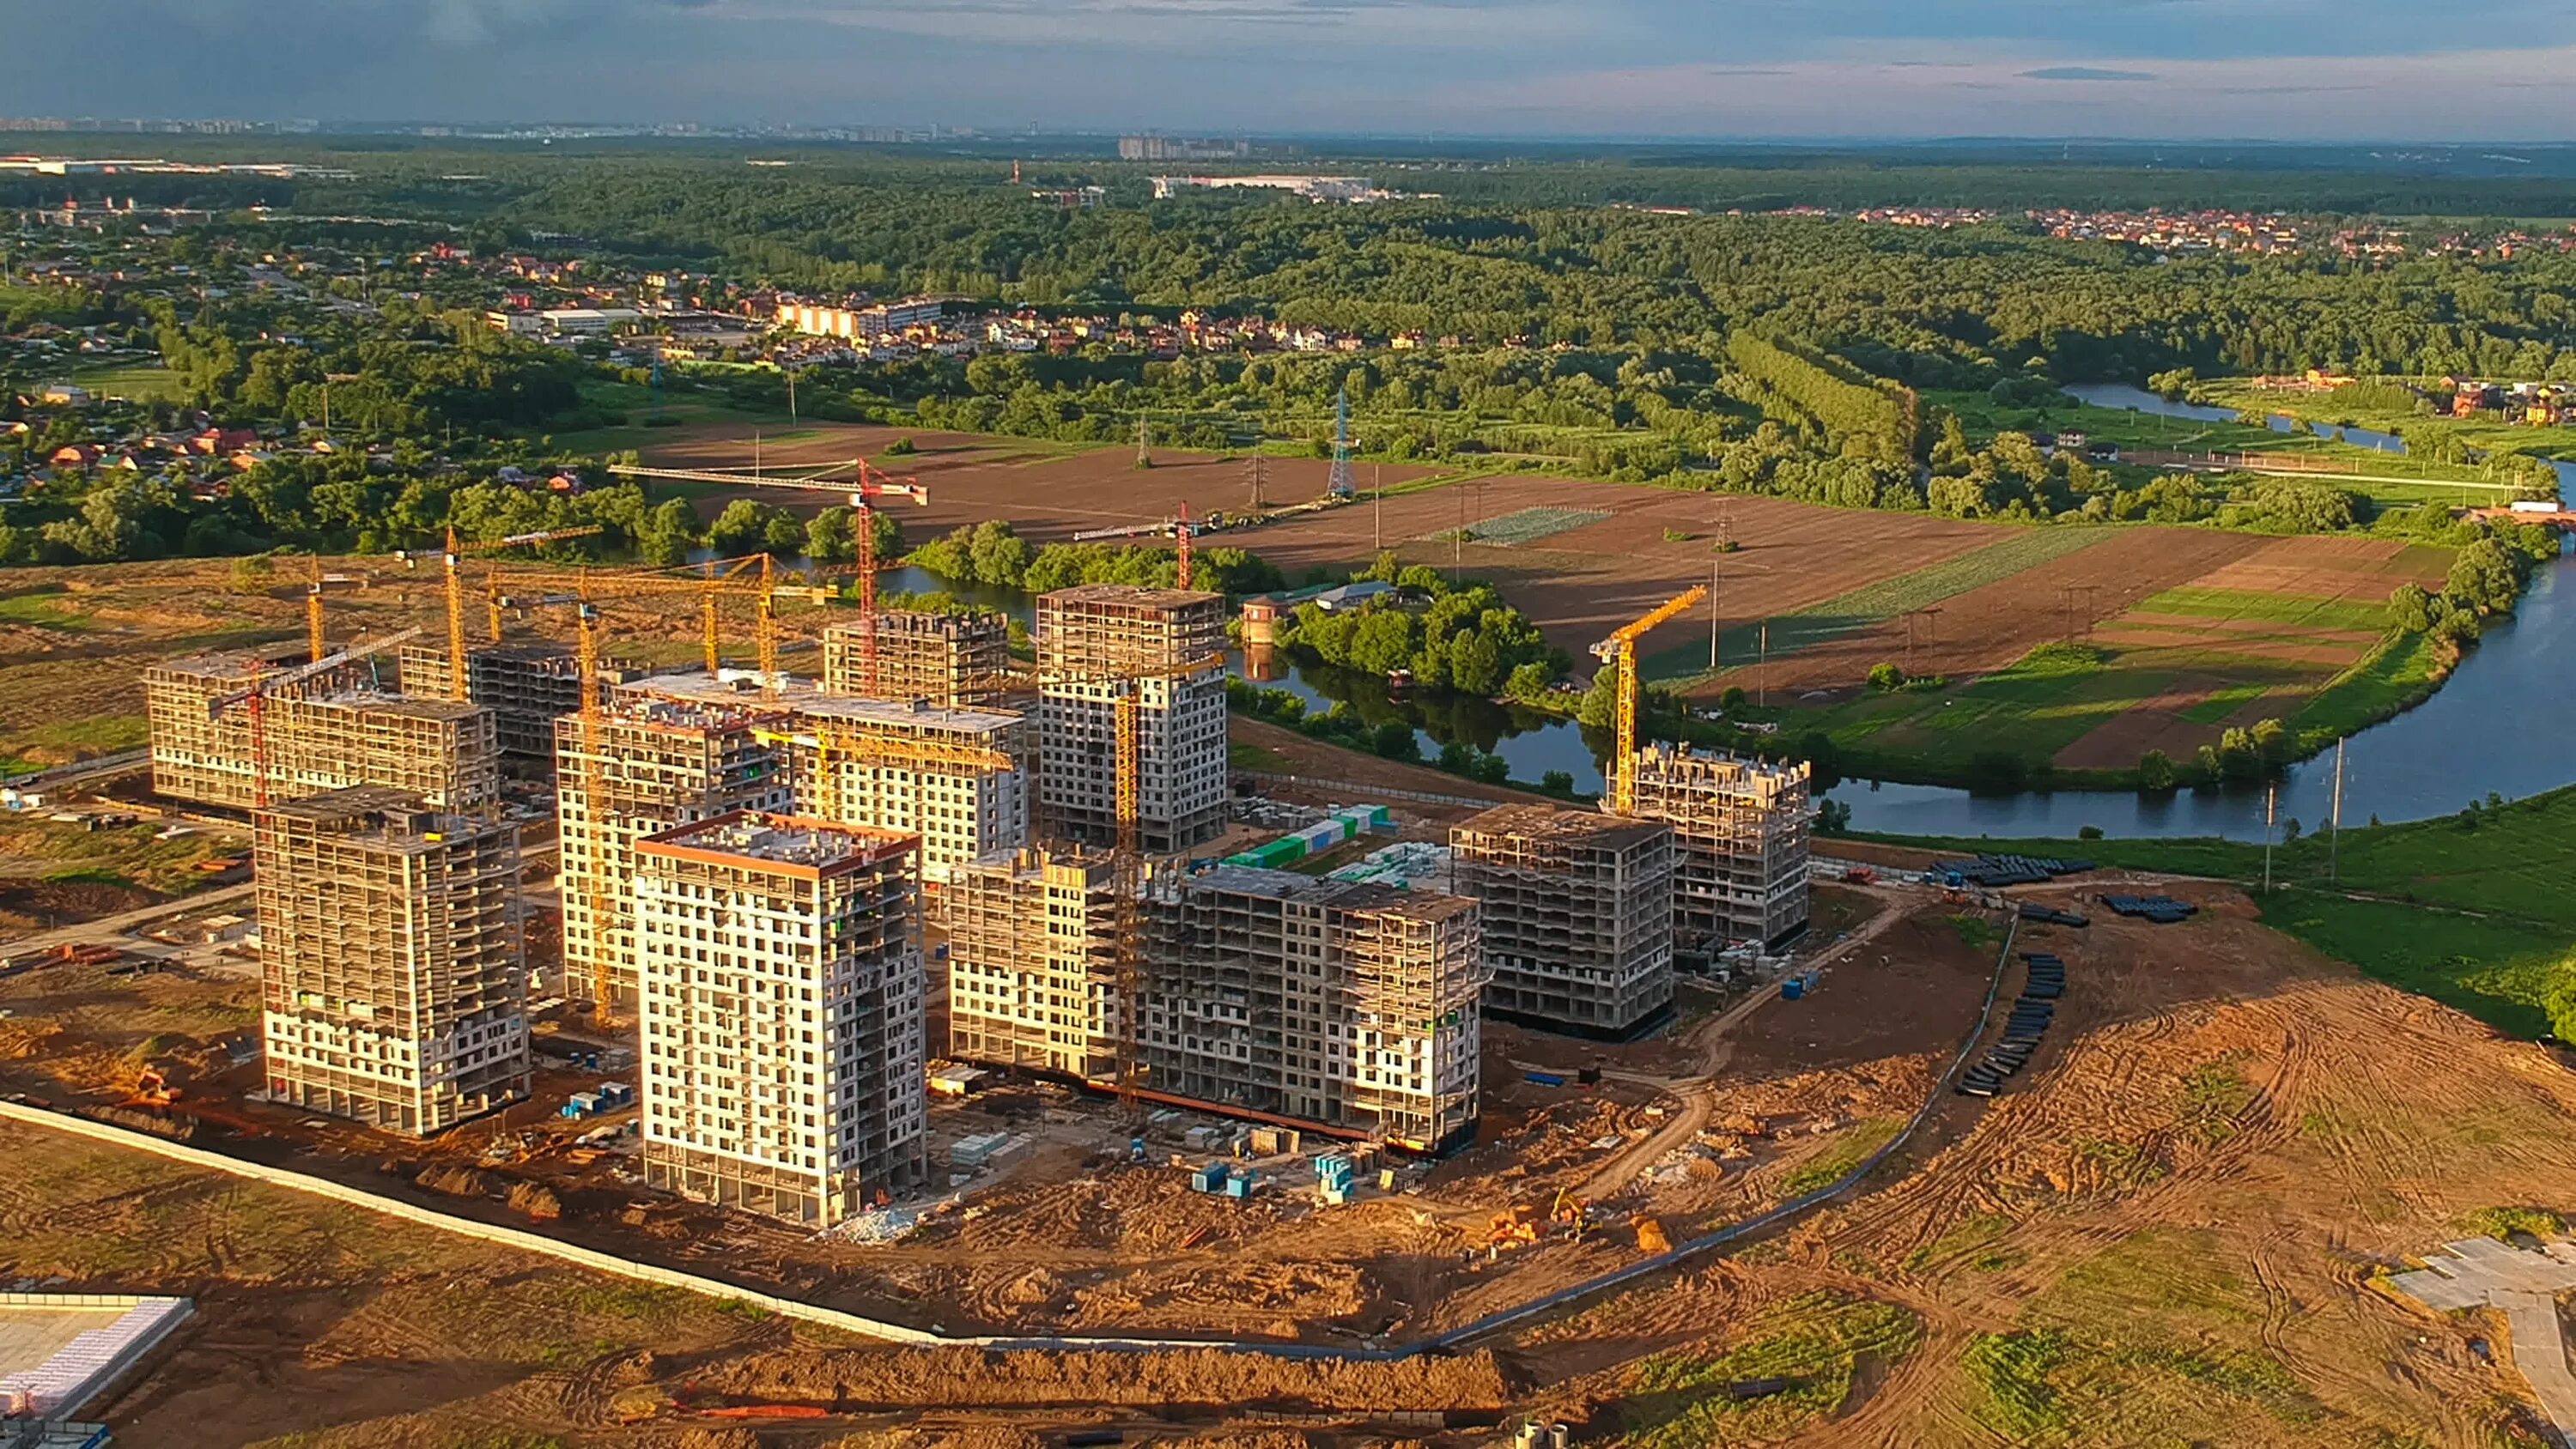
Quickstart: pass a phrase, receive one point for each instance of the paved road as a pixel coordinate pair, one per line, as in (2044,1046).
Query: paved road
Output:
(107,930)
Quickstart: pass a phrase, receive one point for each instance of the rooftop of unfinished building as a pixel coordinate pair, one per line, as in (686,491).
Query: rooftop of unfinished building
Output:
(232,664)
(791,840)
(1550,822)
(1682,756)
(1129,595)
(929,621)
(804,697)
(1288,885)
(383,817)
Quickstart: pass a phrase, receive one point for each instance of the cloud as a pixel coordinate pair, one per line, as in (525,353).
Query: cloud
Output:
(2086,73)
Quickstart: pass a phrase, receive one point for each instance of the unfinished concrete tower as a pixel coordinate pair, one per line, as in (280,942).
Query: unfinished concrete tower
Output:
(1578,917)
(953,660)
(1740,828)
(527,685)
(1096,642)
(782,1015)
(1351,1007)
(1032,974)
(331,732)
(392,955)
(658,763)
(953,777)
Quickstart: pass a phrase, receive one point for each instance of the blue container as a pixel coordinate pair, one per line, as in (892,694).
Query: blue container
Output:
(1793,988)
(1239,1188)
(1543,1079)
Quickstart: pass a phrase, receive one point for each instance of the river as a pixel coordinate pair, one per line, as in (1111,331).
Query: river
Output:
(2500,725)
(2122,397)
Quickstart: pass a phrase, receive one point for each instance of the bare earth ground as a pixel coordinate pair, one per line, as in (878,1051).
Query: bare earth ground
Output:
(2174,1216)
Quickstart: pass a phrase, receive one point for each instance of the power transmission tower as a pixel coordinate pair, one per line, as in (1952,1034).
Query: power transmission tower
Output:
(1144,450)
(1258,470)
(1340,484)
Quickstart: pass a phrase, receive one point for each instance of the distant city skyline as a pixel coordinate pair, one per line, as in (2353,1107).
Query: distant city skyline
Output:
(2323,70)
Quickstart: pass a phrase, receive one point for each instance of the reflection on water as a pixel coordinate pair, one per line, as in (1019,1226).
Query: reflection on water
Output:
(2499,725)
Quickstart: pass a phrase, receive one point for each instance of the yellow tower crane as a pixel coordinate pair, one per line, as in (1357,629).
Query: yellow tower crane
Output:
(1620,652)
(1127,855)
(451,557)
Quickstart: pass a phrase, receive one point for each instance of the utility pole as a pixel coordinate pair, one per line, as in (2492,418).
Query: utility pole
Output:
(2271,811)
(1377,508)
(2334,824)
(1762,677)
(1144,455)
(1458,541)
(1716,612)
(791,394)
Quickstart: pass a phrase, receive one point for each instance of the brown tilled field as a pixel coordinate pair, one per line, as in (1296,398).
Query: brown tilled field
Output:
(2165,1231)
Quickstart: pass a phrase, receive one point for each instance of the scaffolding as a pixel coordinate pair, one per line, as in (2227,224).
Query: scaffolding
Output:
(1350,1006)
(782,1015)
(1110,654)
(1578,916)
(1032,970)
(1740,831)
(392,956)
(332,731)
(953,660)
(653,764)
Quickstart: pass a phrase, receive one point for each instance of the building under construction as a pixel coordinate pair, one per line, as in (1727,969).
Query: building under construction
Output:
(1349,1006)
(527,684)
(954,660)
(1097,643)
(954,777)
(782,1015)
(655,763)
(1740,834)
(332,731)
(1032,966)
(392,954)
(1578,916)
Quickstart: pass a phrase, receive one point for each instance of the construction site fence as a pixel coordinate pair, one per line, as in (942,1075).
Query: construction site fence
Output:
(878,1328)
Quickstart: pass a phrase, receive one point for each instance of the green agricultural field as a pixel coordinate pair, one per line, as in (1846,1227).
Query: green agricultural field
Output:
(2293,612)
(2015,551)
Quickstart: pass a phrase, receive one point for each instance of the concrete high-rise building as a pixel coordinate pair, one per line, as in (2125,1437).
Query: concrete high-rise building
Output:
(954,777)
(330,732)
(782,1015)
(656,763)
(392,953)
(1347,1005)
(950,660)
(527,684)
(1099,641)
(1740,832)
(1032,966)
(1578,916)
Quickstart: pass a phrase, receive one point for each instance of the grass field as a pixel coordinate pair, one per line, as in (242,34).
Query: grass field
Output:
(133,381)
(2471,910)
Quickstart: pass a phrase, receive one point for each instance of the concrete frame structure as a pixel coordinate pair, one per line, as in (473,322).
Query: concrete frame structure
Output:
(884,764)
(393,957)
(1578,916)
(1741,828)
(527,684)
(1032,963)
(782,1015)
(1094,642)
(660,763)
(326,733)
(1350,1006)
(950,660)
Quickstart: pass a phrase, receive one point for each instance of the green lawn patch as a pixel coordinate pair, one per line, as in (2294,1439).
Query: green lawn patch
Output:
(63,742)
(2225,702)
(1815,1341)
(48,608)
(2399,672)
(2294,611)
(134,381)
(1254,757)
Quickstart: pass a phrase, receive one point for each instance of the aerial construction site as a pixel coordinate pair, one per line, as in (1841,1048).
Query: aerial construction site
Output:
(968,1010)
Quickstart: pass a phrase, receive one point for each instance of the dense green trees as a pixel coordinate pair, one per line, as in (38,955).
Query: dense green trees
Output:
(991,553)
(1466,641)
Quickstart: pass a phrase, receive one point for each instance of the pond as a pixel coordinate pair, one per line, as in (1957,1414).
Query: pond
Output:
(2500,725)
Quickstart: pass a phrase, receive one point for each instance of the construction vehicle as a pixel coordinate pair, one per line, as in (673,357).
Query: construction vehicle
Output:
(1570,1213)
(1620,652)
(151,1089)
(254,697)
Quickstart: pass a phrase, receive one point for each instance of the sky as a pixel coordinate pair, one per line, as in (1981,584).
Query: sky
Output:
(2277,69)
